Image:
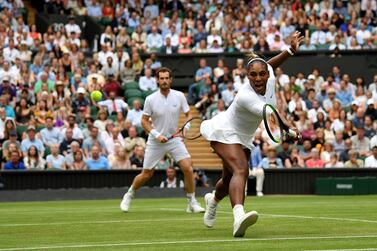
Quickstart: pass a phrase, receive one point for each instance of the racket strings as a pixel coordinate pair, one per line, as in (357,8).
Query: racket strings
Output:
(193,131)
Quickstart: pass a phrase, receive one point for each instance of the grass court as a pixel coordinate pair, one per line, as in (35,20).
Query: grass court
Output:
(285,223)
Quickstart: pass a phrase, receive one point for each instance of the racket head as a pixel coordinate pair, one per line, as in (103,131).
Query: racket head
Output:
(191,129)
(273,124)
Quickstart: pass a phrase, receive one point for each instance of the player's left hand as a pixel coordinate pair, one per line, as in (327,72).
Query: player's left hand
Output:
(296,39)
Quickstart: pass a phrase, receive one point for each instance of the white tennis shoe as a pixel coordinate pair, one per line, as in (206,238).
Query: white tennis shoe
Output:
(210,213)
(126,202)
(194,207)
(247,220)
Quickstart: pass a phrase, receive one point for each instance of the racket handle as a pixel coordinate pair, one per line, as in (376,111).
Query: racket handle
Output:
(292,133)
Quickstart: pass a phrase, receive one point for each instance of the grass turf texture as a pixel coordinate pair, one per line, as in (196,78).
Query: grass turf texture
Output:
(285,223)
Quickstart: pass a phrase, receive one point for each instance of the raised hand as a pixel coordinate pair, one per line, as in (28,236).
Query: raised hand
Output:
(296,39)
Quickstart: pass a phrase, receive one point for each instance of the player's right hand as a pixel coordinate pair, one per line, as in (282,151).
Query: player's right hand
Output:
(162,139)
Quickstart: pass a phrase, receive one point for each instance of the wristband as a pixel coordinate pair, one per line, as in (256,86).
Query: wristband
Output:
(289,50)
(155,133)
(187,126)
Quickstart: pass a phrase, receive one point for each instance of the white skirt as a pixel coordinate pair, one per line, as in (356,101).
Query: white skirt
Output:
(220,129)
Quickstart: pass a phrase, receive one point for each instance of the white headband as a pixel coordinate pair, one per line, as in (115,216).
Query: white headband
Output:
(255,59)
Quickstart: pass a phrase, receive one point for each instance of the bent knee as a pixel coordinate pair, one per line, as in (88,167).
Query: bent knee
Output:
(147,173)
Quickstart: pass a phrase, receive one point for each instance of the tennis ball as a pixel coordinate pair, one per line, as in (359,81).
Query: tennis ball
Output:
(96,95)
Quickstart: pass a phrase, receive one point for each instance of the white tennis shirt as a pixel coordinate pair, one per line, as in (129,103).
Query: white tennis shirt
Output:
(165,111)
(239,122)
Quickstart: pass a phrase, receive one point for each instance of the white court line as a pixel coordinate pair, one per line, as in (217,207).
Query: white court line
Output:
(318,218)
(182,219)
(346,249)
(191,242)
(99,222)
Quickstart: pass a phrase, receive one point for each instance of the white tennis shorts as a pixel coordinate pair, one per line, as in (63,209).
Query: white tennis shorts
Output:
(155,151)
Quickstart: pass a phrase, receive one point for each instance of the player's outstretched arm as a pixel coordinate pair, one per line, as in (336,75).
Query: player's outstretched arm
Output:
(296,39)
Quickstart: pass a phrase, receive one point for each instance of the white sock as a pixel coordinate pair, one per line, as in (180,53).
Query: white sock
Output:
(131,191)
(238,212)
(190,197)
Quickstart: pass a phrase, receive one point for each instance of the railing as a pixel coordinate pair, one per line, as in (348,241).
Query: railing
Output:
(278,181)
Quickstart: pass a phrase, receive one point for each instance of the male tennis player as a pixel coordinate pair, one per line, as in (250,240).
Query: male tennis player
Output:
(232,131)
(162,109)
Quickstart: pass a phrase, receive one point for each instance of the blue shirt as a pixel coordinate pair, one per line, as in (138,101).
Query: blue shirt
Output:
(345,97)
(53,136)
(201,72)
(10,112)
(27,143)
(94,10)
(265,164)
(256,157)
(9,166)
(56,162)
(101,164)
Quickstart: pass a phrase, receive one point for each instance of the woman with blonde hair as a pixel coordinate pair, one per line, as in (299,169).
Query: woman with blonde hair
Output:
(119,159)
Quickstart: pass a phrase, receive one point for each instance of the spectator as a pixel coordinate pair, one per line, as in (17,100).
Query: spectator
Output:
(96,161)
(135,114)
(65,145)
(168,48)
(119,158)
(201,179)
(257,171)
(371,161)
(114,104)
(114,139)
(112,85)
(171,180)
(271,161)
(12,140)
(78,161)
(295,160)
(137,158)
(360,143)
(14,163)
(165,163)
(51,135)
(31,140)
(33,160)
(147,82)
(334,163)
(314,161)
(203,72)
(69,158)
(55,160)
(154,40)
(127,73)
(305,152)
(353,160)
(89,142)
(77,133)
(132,141)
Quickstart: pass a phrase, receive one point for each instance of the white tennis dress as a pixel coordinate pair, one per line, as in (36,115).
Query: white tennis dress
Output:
(239,122)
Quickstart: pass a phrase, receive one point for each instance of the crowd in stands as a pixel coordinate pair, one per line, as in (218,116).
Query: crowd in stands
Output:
(48,119)
(228,25)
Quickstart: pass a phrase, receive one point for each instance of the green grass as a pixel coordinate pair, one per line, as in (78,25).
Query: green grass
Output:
(285,223)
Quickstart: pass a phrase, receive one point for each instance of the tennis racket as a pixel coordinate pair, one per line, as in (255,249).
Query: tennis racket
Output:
(190,129)
(276,129)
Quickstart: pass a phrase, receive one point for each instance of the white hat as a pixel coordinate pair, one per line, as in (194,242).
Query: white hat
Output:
(355,102)
(311,76)
(370,101)
(81,90)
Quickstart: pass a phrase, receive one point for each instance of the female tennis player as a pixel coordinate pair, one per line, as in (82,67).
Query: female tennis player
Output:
(231,134)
